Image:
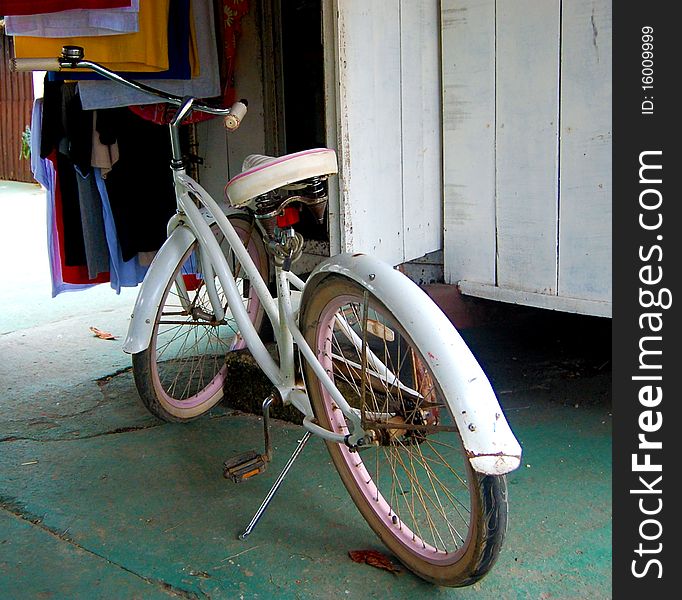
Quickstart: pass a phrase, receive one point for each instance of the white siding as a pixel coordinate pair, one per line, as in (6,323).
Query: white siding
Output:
(386,68)
(540,73)
(527,92)
(585,198)
(469,138)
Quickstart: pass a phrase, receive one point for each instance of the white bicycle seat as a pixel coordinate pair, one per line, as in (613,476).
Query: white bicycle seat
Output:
(261,174)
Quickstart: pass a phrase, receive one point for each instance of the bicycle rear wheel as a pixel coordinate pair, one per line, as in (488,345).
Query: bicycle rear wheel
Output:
(182,373)
(415,487)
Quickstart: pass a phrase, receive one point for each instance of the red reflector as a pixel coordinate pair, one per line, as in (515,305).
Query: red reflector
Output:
(192,282)
(288,217)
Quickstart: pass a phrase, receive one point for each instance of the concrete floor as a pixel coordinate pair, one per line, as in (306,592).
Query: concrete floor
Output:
(100,500)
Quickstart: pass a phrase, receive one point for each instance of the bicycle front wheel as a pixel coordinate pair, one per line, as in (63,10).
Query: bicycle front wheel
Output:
(182,373)
(415,486)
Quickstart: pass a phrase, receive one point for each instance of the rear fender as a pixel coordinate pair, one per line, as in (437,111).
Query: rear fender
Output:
(488,440)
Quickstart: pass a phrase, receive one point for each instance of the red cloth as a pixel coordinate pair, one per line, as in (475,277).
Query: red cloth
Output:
(229,14)
(70,274)
(36,7)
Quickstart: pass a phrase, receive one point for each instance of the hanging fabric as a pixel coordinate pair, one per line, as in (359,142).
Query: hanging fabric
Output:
(108,94)
(34,7)
(142,51)
(140,184)
(76,22)
(45,174)
(229,14)
(182,60)
(105,166)
(123,273)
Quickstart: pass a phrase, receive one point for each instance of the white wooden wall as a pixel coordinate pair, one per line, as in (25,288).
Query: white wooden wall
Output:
(384,111)
(527,151)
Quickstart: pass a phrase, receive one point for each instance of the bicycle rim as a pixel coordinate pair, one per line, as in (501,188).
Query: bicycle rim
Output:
(415,487)
(189,346)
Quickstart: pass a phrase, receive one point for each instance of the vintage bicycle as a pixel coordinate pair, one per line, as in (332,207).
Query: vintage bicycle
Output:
(376,369)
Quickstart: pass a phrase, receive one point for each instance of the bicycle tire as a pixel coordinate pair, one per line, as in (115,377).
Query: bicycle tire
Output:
(416,489)
(182,373)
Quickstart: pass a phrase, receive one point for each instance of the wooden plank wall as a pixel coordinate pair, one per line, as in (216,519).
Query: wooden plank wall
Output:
(527,92)
(585,194)
(469,139)
(386,66)
(527,145)
(16,103)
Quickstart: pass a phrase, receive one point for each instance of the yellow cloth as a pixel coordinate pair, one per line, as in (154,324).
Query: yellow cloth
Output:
(144,51)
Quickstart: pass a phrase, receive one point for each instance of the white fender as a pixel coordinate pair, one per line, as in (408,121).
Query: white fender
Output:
(152,289)
(488,440)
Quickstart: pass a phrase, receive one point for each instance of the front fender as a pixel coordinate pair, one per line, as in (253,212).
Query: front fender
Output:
(488,440)
(152,289)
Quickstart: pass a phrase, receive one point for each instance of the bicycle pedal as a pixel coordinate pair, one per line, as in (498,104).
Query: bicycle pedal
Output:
(244,466)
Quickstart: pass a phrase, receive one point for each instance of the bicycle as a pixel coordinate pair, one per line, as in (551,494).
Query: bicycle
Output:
(376,369)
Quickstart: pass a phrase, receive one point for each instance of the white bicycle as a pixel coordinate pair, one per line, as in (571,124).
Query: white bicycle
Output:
(377,370)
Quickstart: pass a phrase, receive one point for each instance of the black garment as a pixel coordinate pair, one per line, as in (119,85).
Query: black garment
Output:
(140,184)
(74,245)
(67,128)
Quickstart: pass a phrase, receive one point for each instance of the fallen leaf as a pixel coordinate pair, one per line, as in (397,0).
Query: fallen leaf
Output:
(202,574)
(374,559)
(103,335)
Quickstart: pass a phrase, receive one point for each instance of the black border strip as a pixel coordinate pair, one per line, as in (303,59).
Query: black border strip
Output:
(646,347)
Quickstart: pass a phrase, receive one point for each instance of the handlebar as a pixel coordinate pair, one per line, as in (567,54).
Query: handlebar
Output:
(73,58)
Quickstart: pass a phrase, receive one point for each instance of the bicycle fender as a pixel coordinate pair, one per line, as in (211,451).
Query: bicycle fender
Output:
(152,289)
(488,440)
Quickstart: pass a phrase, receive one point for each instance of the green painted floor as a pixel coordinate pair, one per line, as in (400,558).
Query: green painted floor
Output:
(100,500)
(106,502)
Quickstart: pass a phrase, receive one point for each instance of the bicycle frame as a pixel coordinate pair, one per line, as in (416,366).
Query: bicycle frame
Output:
(341,292)
(487,438)
(280,311)
(486,435)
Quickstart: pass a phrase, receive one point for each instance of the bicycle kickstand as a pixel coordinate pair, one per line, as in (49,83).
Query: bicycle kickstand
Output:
(251,463)
(275,486)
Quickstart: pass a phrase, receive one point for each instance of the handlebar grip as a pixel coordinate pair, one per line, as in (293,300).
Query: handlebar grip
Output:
(236,116)
(34,64)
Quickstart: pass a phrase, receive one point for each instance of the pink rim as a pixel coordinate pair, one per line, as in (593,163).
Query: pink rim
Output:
(219,379)
(356,468)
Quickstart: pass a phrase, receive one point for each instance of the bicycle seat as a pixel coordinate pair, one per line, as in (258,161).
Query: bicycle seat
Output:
(261,174)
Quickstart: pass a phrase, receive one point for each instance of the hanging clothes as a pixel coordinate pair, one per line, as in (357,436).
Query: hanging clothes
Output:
(66,139)
(67,129)
(104,156)
(76,22)
(229,14)
(45,174)
(71,273)
(140,184)
(109,187)
(108,94)
(182,61)
(92,221)
(142,51)
(123,273)
(34,7)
